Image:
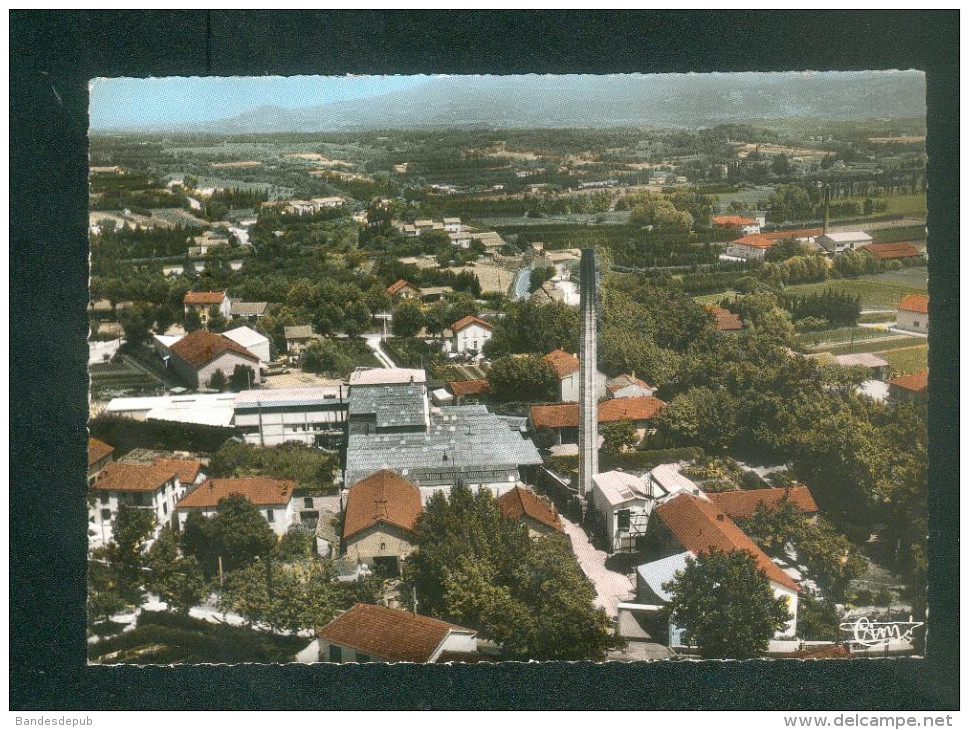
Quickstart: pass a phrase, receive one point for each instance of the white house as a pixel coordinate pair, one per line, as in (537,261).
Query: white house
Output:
(747,226)
(272,497)
(196,357)
(203,301)
(470,334)
(697,526)
(460,239)
(567,369)
(254,342)
(452,225)
(153,487)
(835,243)
(913,314)
(371,633)
(624,502)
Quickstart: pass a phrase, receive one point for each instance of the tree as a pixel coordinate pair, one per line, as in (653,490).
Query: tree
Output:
(726,605)
(242,378)
(618,437)
(104,597)
(178,581)
(216,321)
(124,554)
(356,318)
(325,356)
(538,276)
(217,381)
(136,322)
(527,378)
(297,544)
(700,417)
(193,320)
(238,533)
(408,318)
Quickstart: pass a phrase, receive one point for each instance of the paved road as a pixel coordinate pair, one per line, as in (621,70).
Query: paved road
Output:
(612,588)
(373,340)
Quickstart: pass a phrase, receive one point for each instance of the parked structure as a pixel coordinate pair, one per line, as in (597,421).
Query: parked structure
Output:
(203,301)
(913,314)
(539,516)
(369,633)
(272,497)
(196,357)
(379,520)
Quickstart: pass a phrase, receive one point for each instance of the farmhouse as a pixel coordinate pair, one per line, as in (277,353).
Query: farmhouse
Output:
(913,314)
(370,633)
(379,519)
(537,515)
(470,335)
(153,487)
(914,387)
(752,247)
(203,301)
(273,498)
(835,243)
(747,226)
(567,369)
(696,526)
(196,357)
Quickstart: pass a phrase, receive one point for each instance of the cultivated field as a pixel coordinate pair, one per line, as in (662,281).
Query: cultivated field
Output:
(877,290)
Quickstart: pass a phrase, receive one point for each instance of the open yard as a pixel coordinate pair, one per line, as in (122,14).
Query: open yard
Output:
(907,360)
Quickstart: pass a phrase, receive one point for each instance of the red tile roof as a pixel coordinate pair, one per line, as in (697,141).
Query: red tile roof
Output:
(700,527)
(916,382)
(258,490)
(742,503)
(563,363)
(519,502)
(460,388)
(732,221)
(118,477)
(918,303)
(205,298)
(201,346)
(97,450)
(468,321)
(566,415)
(400,284)
(756,240)
(724,320)
(388,634)
(898,250)
(381,497)
(186,469)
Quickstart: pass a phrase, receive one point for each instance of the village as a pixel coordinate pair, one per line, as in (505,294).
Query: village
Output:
(519,394)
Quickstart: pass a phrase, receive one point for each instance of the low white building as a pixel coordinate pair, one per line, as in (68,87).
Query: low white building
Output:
(306,415)
(254,342)
(666,481)
(470,335)
(209,409)
(624,502)
(153,487)
(913,314)
(835,243)
(272,497)
(452,225)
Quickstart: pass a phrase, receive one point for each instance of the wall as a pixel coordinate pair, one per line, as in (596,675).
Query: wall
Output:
(471,337)
(161,502)
(226,362)
(379,541)
(569,387)
(281,426)
(912,321)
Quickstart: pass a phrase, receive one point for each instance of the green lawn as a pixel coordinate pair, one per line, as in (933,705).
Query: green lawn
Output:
(890,235)
(909,205)
(841,335)
(878,346)
(714,298)
(908,360)
(877,291)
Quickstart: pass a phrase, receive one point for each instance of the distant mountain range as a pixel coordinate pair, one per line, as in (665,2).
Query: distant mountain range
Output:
(664,101)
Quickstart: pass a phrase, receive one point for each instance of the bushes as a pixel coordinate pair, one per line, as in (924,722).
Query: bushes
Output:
(126,434)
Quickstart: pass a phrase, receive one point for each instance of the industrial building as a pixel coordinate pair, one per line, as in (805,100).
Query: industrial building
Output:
(311,416)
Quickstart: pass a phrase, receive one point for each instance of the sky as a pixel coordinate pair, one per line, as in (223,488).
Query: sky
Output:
(128,102)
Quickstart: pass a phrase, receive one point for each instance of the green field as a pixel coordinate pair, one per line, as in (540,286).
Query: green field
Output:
(715,298)
(908,360)
(840,335)
(878,346)
(890,235)
(876,291)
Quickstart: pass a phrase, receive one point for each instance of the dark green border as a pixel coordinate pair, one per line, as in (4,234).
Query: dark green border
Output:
(53,54)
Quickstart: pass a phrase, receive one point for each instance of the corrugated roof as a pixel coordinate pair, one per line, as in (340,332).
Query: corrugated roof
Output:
(566,415)
(258,490)
(389,634)
(918,303)
(387,376)
(279,397)
(700,526)
(658,572)
(518,502)
(97,450)
(382,497)
(120,477)
(742,503)
(245,336)
(202,346)
(395,405)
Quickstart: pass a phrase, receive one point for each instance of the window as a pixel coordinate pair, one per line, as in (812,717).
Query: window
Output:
(336,653)
(105,514)
(916,323)
(270,516)
(105,498)
(165,507)
(622,517)
(308,502)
